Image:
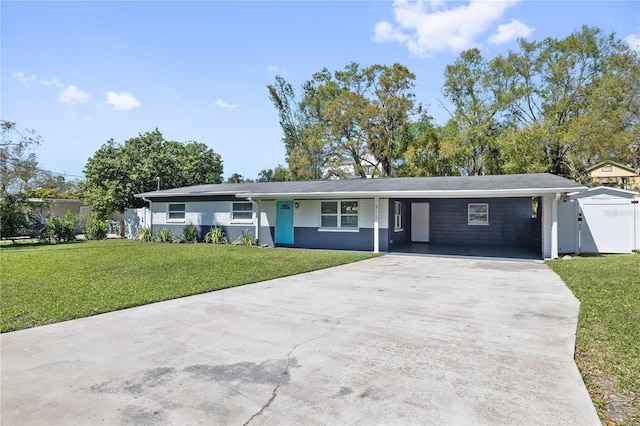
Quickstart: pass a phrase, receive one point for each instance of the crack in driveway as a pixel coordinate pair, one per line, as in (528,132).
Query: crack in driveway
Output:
(285,372)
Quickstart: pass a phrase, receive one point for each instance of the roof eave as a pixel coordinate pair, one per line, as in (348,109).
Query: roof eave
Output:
(186,194)
(494,193)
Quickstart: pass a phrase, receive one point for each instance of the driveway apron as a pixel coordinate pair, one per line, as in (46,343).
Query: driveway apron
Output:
(397,339)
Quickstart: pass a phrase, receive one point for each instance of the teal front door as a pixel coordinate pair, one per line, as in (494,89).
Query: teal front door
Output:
(284,222)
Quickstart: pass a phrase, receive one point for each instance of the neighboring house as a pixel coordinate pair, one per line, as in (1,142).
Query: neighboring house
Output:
(345,169)
(41,208)
(609,173)
(600,220)
(383,214)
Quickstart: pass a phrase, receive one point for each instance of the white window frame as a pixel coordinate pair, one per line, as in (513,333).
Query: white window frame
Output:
(177,214)
(339,215)
(397,216)
(478,214)
(243,211)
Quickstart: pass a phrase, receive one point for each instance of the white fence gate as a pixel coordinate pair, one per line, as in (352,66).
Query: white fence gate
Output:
(135,220)
(601,220)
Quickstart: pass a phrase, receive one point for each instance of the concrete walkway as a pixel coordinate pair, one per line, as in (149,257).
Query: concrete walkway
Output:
(398,339)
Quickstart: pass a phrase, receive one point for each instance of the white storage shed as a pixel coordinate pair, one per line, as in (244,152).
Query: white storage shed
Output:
(600,220)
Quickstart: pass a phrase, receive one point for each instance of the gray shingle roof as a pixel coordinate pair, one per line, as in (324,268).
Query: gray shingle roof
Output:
(541,182)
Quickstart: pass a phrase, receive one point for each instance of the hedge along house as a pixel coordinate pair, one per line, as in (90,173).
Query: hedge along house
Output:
(385,214)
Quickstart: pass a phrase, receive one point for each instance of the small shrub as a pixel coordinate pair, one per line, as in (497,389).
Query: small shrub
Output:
(166,236)
(96,229)
(216,236)
(246,239)
(144,235)
(190,234)
(62,230)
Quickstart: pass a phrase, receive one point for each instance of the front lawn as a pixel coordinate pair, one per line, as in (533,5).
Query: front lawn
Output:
(44,284)
(608,338)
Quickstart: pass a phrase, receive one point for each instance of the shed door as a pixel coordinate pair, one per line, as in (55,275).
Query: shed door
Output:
(420,222)
(608,226)
(284,222)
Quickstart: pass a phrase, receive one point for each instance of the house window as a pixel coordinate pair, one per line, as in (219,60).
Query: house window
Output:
(339,214)
(478,214)
(397,216)
(176,212)
(607,168)
(368,170)
(242,212)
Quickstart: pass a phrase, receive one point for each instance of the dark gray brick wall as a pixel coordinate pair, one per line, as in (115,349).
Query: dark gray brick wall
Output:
(509,222)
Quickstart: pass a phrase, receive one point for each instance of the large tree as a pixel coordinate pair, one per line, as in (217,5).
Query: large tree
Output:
(553,105)
(471,133)
(18,162)
(18,165)
(118,171)
(424,154)
(357,117)
(279,174)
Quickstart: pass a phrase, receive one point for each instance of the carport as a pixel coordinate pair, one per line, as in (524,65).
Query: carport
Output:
(478,226)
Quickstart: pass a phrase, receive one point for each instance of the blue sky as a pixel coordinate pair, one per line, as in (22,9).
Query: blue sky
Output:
(81,73)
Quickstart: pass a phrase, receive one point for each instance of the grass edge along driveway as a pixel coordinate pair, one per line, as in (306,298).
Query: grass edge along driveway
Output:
(45,284)
(608,336)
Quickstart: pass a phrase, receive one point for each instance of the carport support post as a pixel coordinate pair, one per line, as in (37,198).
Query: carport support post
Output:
(257,204)
(376,226)
(554,227)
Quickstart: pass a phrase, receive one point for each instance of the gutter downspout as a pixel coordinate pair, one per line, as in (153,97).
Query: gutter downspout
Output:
(150,213)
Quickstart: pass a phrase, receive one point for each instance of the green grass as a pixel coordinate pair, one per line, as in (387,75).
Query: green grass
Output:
(45,284)
(608,337)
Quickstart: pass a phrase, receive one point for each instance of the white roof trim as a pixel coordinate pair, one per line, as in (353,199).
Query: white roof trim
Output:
(494,193)
(55,200)
(606,188)
(486,193)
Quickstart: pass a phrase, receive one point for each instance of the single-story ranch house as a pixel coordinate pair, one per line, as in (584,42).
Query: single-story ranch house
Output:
(384,214)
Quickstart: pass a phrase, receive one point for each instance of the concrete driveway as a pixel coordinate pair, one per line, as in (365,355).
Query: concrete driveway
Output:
(398,339)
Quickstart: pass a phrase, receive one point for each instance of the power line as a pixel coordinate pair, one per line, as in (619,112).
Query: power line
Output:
(17,163)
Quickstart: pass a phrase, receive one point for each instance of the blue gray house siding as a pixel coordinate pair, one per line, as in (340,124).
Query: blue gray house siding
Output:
(233,232)
(510,223)
(400,237)
(362,240)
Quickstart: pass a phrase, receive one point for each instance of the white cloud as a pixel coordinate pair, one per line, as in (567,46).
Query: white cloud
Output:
(72,95)
(427,27)
(276,69)
(222,104)
(511,31)
(633,40)
(123,101)
(51,83)
(22,78)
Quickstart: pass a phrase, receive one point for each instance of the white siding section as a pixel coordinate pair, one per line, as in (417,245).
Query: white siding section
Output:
(196,213)
(366,213)
(268,213)
(307,215)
